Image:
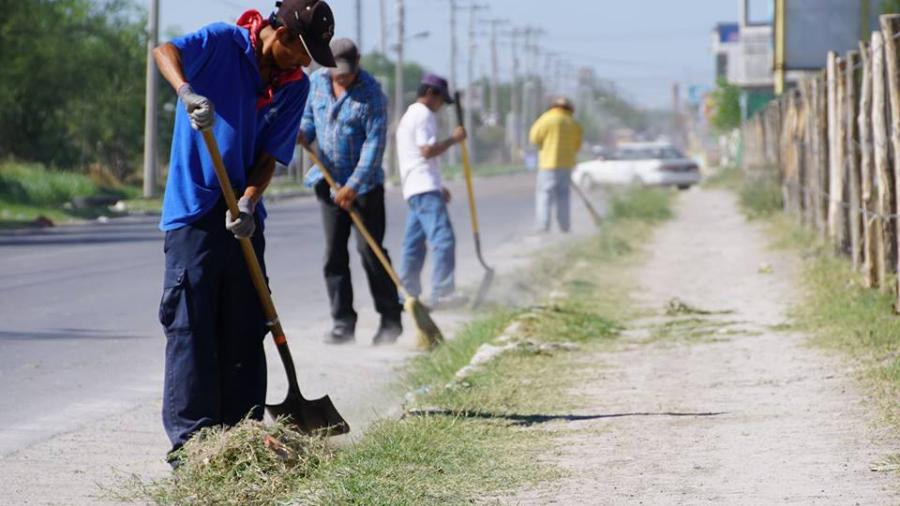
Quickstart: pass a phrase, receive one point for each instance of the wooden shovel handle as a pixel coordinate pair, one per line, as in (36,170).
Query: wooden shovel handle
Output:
(256,273)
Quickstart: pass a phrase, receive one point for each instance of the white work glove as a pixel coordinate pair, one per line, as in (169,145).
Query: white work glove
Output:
(199,108)
(245,224)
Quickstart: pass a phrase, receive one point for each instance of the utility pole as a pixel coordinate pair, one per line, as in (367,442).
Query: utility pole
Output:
(549,62)
(780,41)
(452,78)
(382,29)
(515,120)
(495,70)
(398,74)
(473,48)
(454,51)
(151,114)
(677,125)
(359,24)
(531,90)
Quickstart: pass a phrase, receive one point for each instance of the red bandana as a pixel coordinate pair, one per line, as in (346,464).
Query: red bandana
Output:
(254,22)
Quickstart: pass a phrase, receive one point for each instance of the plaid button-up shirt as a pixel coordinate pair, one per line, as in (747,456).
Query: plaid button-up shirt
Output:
(351,130)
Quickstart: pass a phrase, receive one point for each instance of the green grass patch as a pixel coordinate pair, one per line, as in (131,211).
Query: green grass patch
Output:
(761,197)
(759,193)
(651,205)
(426,460)
(438,367)
(729,178)
(31,190)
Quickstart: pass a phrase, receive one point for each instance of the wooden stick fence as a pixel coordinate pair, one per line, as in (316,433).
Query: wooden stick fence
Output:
(834,142)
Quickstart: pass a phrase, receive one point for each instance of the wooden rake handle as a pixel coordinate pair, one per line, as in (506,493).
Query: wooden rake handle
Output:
(360,226)
(256,273)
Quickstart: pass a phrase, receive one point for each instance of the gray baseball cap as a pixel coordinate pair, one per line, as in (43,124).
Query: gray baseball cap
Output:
(346,56)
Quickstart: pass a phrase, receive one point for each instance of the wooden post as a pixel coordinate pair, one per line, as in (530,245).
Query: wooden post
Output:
(851,153)
(808,170)
(890,27)
(867,171)
(833,151)
(798,152)
(786,168)
(839,170)
(823,150)
(884,204)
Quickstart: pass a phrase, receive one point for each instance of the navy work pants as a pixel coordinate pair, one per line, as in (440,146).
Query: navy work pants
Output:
(215,371)
(338,225)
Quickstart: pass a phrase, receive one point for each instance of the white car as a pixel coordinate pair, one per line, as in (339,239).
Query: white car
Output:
(643,163)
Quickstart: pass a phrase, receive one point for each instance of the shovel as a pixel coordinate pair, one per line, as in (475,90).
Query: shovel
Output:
(473,212)
(316,416)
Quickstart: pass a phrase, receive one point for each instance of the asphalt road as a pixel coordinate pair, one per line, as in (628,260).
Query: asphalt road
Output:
(79,336)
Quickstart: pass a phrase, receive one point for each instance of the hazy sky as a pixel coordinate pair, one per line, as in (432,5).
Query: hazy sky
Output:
(642,45)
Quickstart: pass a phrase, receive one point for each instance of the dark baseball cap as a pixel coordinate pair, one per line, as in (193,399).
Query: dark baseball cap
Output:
(313,21)
(346,56)
(439,83)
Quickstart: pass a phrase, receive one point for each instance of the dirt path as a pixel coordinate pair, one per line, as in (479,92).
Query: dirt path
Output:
(740,413)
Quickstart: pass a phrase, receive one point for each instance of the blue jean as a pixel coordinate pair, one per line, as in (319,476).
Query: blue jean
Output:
(428,223)
(552,187)
(215,371)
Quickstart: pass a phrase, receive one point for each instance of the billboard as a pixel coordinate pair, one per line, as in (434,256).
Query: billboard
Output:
(814,27)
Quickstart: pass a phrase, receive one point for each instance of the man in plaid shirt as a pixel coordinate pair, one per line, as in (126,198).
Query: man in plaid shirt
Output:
(347,114)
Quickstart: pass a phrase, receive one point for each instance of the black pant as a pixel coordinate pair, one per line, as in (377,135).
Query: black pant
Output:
(337,224)
(214,324)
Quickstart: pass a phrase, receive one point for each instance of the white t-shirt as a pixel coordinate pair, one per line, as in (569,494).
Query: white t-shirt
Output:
(418,128)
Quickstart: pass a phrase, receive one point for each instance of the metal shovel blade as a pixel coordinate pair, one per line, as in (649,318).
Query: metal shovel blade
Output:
(483,288)
(312,417)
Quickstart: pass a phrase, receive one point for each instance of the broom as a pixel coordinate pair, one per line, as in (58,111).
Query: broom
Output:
(598,220)
(428,335)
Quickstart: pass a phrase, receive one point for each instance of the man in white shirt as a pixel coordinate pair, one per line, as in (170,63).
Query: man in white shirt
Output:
(428,222)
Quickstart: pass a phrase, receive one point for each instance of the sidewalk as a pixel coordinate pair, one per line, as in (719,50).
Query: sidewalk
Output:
(722,408)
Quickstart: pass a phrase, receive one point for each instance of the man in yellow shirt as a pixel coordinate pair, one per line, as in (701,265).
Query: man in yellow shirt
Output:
(558,137)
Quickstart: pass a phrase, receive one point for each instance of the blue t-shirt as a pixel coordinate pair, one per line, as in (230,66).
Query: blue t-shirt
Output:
(220,63)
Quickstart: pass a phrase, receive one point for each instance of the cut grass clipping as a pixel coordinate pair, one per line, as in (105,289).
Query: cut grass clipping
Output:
(252,463)
(474,441)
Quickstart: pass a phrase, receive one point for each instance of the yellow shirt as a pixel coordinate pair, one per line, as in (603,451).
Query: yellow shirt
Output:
(558,136)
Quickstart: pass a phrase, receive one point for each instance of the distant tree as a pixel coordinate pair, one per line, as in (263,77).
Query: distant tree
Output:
(382,68)
(727,106)
(72,82)
(890,6)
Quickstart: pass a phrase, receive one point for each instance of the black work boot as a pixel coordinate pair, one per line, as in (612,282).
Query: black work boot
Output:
(342,333)
(388,332)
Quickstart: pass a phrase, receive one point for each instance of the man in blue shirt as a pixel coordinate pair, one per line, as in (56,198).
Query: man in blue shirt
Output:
(246,82)
(347,115)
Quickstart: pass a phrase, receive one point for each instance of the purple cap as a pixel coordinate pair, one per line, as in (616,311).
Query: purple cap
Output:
(439,83)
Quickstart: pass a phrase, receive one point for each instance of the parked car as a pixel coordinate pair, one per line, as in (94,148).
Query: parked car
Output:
(644,163)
